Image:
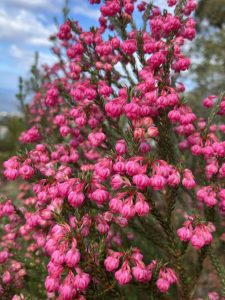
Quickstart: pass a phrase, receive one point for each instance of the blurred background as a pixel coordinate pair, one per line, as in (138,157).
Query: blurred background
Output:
(26,26)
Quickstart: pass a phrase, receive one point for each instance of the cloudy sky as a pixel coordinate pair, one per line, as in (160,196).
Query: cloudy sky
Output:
(25,28)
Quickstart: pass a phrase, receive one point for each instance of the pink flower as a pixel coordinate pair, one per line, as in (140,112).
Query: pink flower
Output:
(185,233)
(141,274)
(57,257)
(115,205)
(11,163)
(26,171)
(111,263)
(116,182)
(163,285)
(119,167)
(52,284)
(6,277)
(127,210)
(129,46)
(141,181)
(114,108)
(166,278)
(64,32)
(4,255)
(67,291)
(153,131)
(188,179)
(132,168)
(81,281)
(100,196)
(123,275)
(52,94)
(96,138)
(213,296)
(172,2)
(64,130)
(110,8)
(142,208)
(197,241)
(156,60)
(169,275)
(181,64)
(11,174)
(121,147)
(173,179)
(129,8)
(72,257)
(76,199)
(202,236)
(132,110)
(157,182)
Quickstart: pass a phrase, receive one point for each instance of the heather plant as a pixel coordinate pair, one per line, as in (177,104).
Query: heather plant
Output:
(122,186)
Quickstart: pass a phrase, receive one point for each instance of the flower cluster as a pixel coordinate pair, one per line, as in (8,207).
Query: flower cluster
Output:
(116,160)
(198,234)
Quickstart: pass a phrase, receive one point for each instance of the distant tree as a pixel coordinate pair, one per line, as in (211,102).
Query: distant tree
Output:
(9,141)
(208,51)
(213,11)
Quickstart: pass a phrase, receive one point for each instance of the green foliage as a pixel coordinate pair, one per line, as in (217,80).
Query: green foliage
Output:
(208,67)
(214,11)
(9,142)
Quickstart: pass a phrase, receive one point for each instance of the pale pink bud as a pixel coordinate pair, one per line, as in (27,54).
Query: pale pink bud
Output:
(153,131)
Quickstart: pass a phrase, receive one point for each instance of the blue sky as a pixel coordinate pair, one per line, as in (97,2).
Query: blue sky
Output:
(25,28)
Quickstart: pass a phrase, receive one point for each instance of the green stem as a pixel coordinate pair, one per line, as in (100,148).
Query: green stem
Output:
(220,270)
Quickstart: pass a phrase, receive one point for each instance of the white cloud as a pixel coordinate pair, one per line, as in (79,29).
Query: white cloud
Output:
(24,58)
(155,2)
(85,10)
(46,5)
(31,21)
(24,27)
